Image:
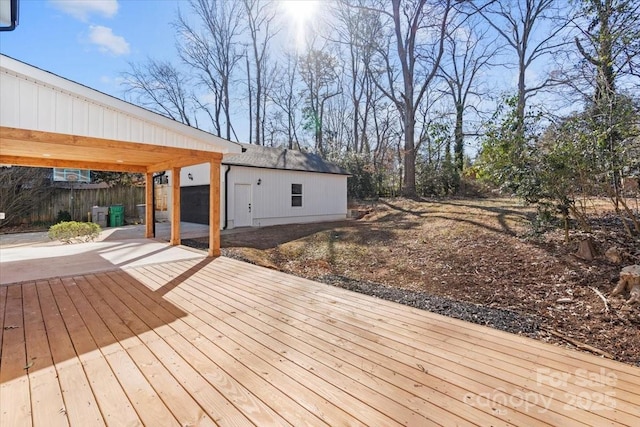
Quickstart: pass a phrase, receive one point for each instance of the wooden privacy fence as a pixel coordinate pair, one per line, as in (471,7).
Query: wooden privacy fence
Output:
(78,202)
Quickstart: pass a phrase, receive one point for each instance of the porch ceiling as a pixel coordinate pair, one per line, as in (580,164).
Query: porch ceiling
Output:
(23,147)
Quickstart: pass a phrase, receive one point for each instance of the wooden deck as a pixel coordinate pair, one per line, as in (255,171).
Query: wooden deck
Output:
(220,342)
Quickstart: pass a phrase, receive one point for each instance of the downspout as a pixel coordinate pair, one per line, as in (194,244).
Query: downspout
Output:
(226,197)
(153,199)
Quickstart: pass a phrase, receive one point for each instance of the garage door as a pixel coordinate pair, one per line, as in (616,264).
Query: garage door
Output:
(194,204)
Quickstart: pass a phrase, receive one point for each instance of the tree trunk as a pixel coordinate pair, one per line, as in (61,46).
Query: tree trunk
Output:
(458,146)
(409,182)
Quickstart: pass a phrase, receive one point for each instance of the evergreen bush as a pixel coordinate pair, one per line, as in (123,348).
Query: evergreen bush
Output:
(74,232)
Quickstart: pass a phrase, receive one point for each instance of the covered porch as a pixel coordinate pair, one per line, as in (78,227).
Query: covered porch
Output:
(48,121)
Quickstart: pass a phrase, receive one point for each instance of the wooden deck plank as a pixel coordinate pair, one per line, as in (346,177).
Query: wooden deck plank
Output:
(429,321)
(579,415)
(80,403)
(46,395)
(138,394)
(263,390)
(274,377)
(597,393)
(302,374)
(447,336)
(215,403)
(184,408)
(180,403)
(387,307)
(403,377)
(15,403)
(220,342)
(114,404)
(546,353)
(239,395)
(217,342)
(624,399)
(294,350)
(433,412)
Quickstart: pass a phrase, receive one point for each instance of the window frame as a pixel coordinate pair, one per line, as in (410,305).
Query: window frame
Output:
(296,194)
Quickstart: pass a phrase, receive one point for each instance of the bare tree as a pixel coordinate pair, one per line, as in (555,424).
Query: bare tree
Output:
(608,41)
(419,30)
(357,30)
(21,191)
(533,29)
(287,97)
(160,87)
(319,72)
(210,48)
(468,52)
(260,21)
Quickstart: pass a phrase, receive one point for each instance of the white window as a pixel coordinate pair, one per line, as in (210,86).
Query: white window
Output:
(296,195)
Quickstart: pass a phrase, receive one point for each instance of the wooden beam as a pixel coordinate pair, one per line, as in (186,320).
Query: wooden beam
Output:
(181,162)
(91,142)
(214,209)
(45,162)
(148,200)
(175,207)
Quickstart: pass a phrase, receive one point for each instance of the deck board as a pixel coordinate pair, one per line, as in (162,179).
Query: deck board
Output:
(46,395)
(14,384)
(221,342)
(280,332)
(209,344)
(442,359)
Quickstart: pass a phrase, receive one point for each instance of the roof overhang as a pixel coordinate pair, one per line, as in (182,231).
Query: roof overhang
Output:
(23,147)
(50,121)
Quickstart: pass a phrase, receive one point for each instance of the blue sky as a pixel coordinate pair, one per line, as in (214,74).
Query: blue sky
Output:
(92,41)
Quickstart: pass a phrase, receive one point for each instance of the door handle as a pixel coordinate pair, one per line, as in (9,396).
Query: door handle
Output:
(249,207)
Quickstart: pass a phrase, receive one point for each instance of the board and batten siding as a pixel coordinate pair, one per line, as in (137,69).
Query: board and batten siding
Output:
(63,106)
(324,196)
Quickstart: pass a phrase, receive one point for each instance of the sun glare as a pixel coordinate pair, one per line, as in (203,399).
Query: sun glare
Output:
(300,15)
(300,11)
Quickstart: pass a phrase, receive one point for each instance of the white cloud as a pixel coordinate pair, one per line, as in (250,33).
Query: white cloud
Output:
(82,9)
(104,38)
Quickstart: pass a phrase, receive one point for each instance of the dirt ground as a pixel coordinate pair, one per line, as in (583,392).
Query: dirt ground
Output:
(478,251)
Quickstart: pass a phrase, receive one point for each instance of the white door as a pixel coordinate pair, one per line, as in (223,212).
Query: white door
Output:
(242,205)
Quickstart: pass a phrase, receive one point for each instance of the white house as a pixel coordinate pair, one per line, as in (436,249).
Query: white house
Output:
(267,186)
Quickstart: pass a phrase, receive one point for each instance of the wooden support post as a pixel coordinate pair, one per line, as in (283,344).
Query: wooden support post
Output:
(175,207)
(214,208)
(148,196)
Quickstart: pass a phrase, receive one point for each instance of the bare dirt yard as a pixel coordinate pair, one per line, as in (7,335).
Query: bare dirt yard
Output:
(475,259)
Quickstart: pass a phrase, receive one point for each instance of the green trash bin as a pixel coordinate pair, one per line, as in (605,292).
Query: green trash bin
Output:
(116,216)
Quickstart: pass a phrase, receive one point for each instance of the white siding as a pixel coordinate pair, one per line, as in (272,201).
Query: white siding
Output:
(47,107)
(36,100)
(324,196)
(63,123)
(199,175)
(28,97)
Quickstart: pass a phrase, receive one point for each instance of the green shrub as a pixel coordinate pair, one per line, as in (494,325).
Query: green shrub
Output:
(74,232)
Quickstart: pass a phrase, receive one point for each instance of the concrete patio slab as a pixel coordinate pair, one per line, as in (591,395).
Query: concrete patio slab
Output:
(33,256)
(27,263)
(188,230)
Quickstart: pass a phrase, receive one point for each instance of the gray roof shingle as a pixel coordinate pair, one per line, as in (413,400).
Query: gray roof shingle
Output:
(281,158)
